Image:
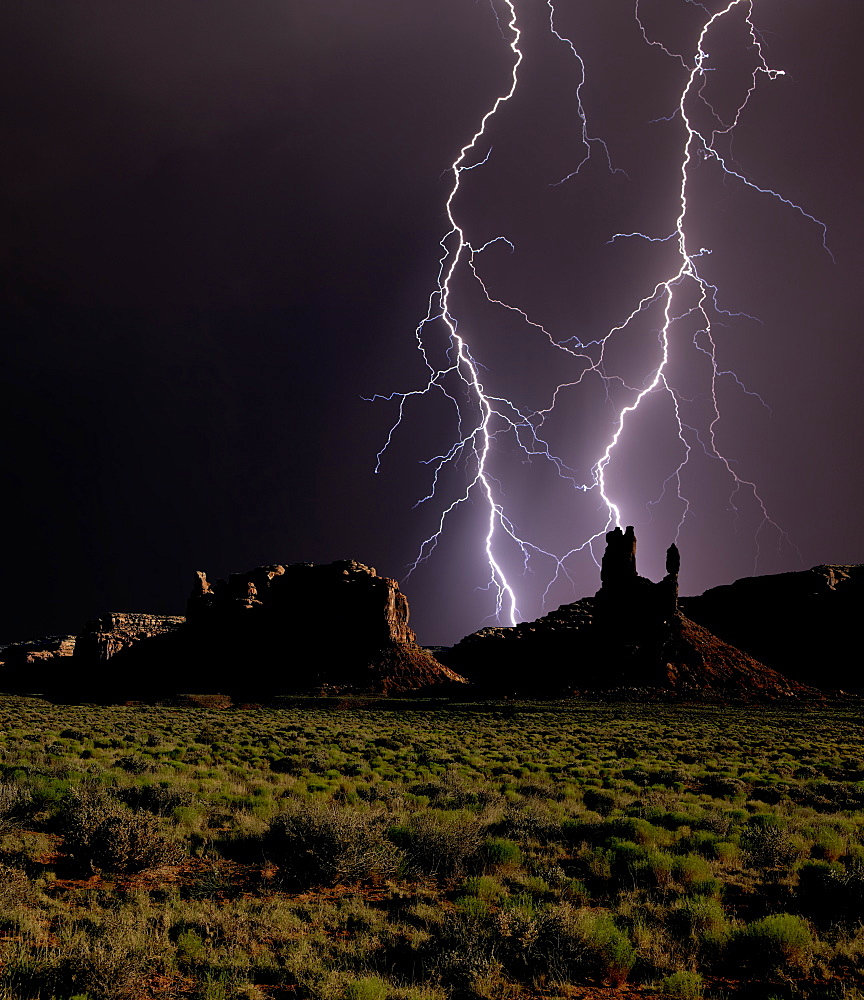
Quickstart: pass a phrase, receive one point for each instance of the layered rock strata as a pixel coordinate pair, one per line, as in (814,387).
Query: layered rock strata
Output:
(105,637)
(50,648)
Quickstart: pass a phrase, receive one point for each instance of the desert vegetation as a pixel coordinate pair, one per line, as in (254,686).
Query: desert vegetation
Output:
(426,852)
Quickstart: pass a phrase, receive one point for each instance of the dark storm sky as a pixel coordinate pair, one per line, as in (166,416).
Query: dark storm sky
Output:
(220,229)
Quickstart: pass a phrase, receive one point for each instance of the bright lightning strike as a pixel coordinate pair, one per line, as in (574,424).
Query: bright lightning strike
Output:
(486,421)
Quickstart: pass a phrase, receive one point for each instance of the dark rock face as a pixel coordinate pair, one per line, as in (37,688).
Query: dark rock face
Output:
(696,661)
(631,634)
(805,624)
(629,608)
(32,666)
(549,656)
(275,629)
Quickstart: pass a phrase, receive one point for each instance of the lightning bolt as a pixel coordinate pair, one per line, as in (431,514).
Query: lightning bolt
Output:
(485,421)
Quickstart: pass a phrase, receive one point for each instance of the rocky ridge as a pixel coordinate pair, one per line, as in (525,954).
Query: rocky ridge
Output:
(339,627)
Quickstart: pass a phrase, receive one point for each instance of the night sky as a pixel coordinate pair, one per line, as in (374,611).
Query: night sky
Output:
(221,226)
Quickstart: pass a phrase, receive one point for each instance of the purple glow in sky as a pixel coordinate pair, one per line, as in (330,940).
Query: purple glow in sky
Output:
(222,228)
(486,423)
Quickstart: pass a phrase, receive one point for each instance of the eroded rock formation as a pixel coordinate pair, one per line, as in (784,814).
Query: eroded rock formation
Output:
(629,608)
(630,635)
(347,595)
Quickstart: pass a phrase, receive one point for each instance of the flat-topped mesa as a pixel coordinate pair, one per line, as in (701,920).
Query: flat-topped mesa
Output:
(805,623)
(346,595)
(353,622)
(275,629)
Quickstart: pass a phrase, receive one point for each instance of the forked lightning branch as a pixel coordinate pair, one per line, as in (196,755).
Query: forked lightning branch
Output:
(457,372)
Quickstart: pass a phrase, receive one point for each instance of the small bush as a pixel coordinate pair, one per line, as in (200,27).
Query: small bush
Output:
(830,892)
(484,887)
(766,844)
(440,843)
(696,916)
(683,986)
(461,951)
(776,942)
(129,843)
(600,801)
(329,845)
(368,988)
(156,799)
(16,801)
(573,944)
(828,845)
(100,833)
(691,870)
(501,852)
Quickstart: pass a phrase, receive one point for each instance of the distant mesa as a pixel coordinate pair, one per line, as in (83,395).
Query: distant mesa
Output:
(345,626)
(807,624)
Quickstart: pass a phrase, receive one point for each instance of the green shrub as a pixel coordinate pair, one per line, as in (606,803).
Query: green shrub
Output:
(190,949)
(497,852)
(726,852)
(368,988)
(441,843)
(828,845)
(777,942)
(572,944)
(327,844)
(723,787)
(660,868)
(484,887)
(639,831)
(697,916)
(161,800)
(691,870)
(599,801)
(683,985)
(701,842)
